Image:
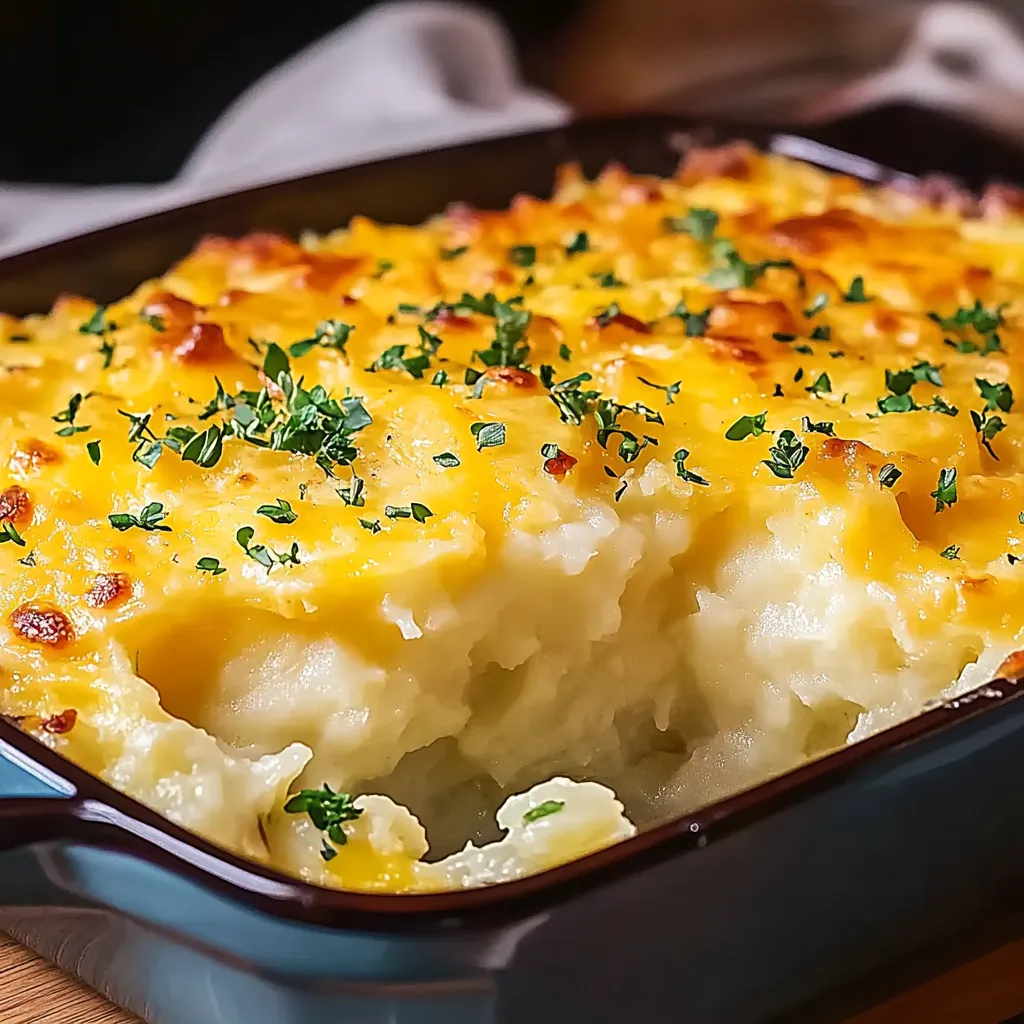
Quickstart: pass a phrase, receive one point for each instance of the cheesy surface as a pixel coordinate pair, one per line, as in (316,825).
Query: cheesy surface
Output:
(663,484)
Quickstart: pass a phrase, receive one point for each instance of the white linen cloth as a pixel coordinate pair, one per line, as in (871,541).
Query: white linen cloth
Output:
(401,77)
(418,75)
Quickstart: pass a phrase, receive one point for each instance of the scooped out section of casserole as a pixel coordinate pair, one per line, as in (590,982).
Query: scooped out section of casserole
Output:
(663,485)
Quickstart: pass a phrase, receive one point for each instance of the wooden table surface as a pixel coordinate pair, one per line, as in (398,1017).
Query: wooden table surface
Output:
(989,990)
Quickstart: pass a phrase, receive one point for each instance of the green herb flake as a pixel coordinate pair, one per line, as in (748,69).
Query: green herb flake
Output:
(787,455)
(93,448)
(822,386)
(783,337)
(373,525)
(952,552)
(454,253)
(888,475)
(262,554)
(352,492)
(607,280)
(447,460)
(564,352)
(97,323)
(543,810)
(700,223)
(281,512)
(210,565)
(523,255)
(732,271)
(68,416)
(330,334)
(29,560)
(149,519)
(747,426)
(488,435)
(997,396)
(945,493)
(679,458)
(153,320)
(671,390)
(821,333)
(440,379)
(695,324)
(987,426)
(8,532)
(856,293)
(329,811)
(580,242)
(828,429)
(107,350)
(204,449)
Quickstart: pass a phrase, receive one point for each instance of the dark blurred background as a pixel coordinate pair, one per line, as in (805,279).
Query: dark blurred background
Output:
(121,90)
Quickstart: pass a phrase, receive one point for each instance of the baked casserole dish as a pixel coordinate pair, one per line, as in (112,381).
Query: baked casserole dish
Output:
(586,513)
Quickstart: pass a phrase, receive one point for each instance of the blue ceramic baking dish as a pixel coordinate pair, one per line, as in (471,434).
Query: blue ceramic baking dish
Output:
(800,899)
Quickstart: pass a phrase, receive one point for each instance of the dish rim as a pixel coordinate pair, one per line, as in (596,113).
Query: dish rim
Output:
(86,810)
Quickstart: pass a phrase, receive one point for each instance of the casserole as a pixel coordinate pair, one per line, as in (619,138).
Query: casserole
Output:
(445,977)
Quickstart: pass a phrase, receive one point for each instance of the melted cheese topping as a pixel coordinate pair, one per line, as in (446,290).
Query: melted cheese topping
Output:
(649,603)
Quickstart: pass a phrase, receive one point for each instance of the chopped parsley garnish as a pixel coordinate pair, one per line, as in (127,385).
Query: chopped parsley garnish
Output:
(93,448)
(580,242)
(415,511)
(329,334)
(1013,559)
(837,353)
(784,337)
(787,455)
(679,458)
(149,518)
(447,460)
(204,449)
(455,253)
(735,272)
(523,255)
(564,352)
(997,396)
(68,416)
(548,807)
(695,324)
(262,554)
(900,382)
(822,386)
(383,266)
(670,389)
(819,302)
(607,415)
(987,425)
(607,280)
(699,222)
(856,293)
(440,379)
(747,426)
(97,323)
(799,375)
(153,320)
(952,552)
(29,560)
(804,350)
(508,347)
(306,422)
(210,565)
(828,429)
(352,493)
(945,493)
(889,474)
(8,532)
(373,525)
(572,402)
(394,358)
(107,350)
(983,322)
(280,512)
(488,435)
(328,811)
(821,333)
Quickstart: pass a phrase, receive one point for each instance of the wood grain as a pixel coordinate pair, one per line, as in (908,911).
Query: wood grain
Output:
(989,990)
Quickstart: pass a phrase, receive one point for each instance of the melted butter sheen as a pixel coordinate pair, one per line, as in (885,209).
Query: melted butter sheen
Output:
(91,594)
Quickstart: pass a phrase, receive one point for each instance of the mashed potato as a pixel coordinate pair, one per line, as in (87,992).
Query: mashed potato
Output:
(661,485)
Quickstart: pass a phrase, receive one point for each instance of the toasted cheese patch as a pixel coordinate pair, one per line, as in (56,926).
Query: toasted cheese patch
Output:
(665,485)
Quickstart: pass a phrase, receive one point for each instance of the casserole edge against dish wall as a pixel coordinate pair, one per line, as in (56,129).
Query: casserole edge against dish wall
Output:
(61,863)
